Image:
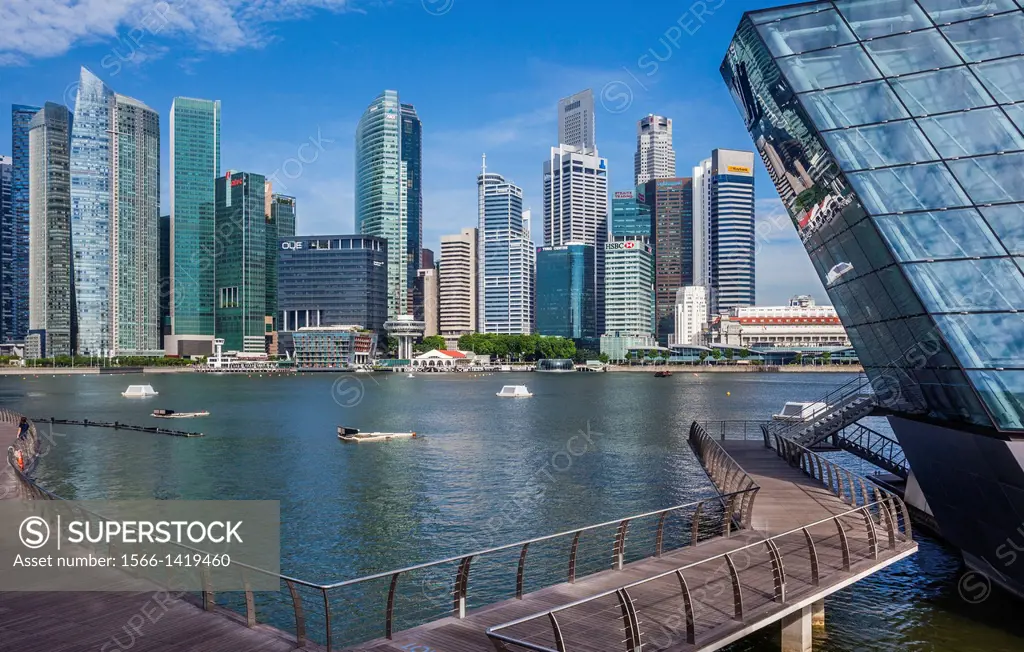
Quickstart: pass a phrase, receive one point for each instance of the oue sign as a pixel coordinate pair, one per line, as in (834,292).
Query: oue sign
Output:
(296,245)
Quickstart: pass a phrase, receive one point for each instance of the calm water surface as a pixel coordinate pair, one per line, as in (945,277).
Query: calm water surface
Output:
(350,510)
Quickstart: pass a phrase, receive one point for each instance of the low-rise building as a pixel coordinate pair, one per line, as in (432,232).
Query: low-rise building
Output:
(801,324)
(320,348)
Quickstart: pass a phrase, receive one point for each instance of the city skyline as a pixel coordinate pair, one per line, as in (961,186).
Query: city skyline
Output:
(265,136)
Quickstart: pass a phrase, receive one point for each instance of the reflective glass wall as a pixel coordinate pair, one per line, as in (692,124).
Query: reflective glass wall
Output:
(894,132)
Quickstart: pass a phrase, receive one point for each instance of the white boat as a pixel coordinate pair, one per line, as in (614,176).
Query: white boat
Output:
(514,391)
(139,391)
(171,414)
(410,376)
(353,435)
(800,411)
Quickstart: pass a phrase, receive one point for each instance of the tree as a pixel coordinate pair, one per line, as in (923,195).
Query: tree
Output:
(744,353)
(430,343)
(716,354)
(603,358)
(703,356)
(826,357)
(729,354)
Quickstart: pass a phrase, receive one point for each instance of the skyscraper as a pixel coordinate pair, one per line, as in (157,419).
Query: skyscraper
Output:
(165,277)
(630,213)
(691,314)
(195,165)
(7,238)
(382,178)
(576,209)
(271,238)
(702,224)
(728,210)
(671,204)
(566,292)
(134,228)
(576,124)
(283,212)
(91,212)
(505,258)
(50,276)
(240,261)
(457,283)
(426,287)
(629,296)
(412,156)
(16,230)
(654,158)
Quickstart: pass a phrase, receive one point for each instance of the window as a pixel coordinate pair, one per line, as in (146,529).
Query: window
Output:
(959,285)
(918,187)
(940,91)
(802,33)
(985,131)
(874,18)
(879,145)
(938,235)
(833,67)
(1003,393)
(854,105)
(988,38)
(951,11)
(915,52)
(1008,224)
(992,179)
(1004,79)
(986,339)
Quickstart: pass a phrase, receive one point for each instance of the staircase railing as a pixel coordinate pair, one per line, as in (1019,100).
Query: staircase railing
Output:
(834,400)
(871,445)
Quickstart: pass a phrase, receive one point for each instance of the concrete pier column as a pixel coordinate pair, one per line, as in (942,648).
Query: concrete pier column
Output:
(818,614)
(796,631)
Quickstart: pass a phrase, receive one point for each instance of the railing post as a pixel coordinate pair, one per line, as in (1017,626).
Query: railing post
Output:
(389,616)
(250,603)
(695,525)
(687,608)
(300,617)
(730,507)
(890,524)
(869,523)
(521,571)
(737,592)
(619,552)
(557,631)
(461,584)
(812,553)
(209,599)
(327,618)
(572,556)
(778,570)
(632,628)
(659,537)
(844,543)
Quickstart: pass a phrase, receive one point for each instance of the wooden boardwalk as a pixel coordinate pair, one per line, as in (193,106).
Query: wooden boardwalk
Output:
(591,615)
(109,621)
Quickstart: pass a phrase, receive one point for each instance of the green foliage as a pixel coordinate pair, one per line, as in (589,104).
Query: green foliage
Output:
(716,354)
(729,354)
(430,343)
(703,356)
(522,348)
(826,357)
(744,353)
(119,361)
(603,358)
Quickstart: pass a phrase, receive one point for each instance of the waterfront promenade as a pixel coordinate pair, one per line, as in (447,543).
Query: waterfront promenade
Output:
(109,621)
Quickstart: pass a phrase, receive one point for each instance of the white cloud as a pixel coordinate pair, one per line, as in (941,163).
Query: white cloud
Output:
(47,29)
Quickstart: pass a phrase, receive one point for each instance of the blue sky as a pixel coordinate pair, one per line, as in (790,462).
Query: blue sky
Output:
(484,77)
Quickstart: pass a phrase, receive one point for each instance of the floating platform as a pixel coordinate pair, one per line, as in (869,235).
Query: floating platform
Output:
(352,435)
(117,425)
(171,414)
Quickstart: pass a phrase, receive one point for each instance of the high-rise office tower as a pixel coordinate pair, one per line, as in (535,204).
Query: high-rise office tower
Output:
(691,314)
(271,239)
(505,258)
(631,216)
(457,283)
(165,278)
(629,296)
(7,238)
(671,204)
(382,178)
(51,310)
(702,224)
(426,288)
(654,158)
(412,156)
(16,230)
(195,166)
(427,258)
(91,212)
(240,279)
(893,134)
(576,208)
(724,216)
(134,302)
(283,212)
(566,292)
(576,122)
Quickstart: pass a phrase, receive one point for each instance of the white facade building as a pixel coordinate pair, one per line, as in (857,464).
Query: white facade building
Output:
(629,297)
(691,314)
(576,125)
(801,324)
(654,158)
(727,206)
(457,283)
(702,224)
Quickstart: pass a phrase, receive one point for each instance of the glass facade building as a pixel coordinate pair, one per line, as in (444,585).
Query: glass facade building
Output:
(91,191)
(631,216)
(671,204)
(14,326)
(331,280)
(412,156)
(283,212)
(240,261)
(7,239)
(381,191)
(505,259)
(894,133)
(567,292)
(195,166)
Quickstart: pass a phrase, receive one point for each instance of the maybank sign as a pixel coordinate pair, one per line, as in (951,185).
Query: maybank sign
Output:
(742,169)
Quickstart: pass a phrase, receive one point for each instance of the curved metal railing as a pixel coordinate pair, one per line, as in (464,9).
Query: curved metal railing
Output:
(878,449)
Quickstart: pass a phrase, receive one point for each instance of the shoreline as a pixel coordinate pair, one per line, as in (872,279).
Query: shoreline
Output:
(738,369)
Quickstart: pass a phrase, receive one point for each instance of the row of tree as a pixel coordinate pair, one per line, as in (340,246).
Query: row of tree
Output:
(121,361)
(518,348)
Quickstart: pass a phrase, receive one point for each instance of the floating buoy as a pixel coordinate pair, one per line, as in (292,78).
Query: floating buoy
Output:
(728,393)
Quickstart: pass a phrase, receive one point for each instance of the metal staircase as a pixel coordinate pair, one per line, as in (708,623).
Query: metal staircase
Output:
(871,445)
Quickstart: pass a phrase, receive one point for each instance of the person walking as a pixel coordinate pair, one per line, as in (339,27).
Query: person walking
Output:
(23,429)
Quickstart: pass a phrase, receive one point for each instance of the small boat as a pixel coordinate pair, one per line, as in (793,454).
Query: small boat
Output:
(171,414)
(800,411)
(410,375)
(662,374)
(514,391)
(353,435)
(139,391)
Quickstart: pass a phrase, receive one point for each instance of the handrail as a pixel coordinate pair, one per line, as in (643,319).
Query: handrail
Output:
(834,398)
(875,447)
(725,473)
(774,553)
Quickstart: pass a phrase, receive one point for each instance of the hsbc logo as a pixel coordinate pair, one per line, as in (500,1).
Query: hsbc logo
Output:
(618,246)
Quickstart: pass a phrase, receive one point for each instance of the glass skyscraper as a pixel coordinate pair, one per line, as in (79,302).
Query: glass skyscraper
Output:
(383,192)
(566,291)
(7,239)
(505,258)
(91,151)
(15,231)
(50,275)
(671,206)
(631,215)
(195,165)
(240,261)
(893,132)
(282,210)
(412,156)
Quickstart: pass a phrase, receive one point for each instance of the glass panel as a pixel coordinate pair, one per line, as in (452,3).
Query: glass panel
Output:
(811,32)
(992,179)
(918,187)
(1008,224)
(976,285)
(940,91)
(1004,79)
(1003,393)
(1016,113)
(988,38)
(985,340)
(769,15)
(951,11)
(833,67)
(874,18)
(942,234)
(854,105)
(985,131)
(871,147)
(899,55)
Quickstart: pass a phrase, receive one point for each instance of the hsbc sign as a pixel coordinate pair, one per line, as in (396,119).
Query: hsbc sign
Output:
(617,246)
